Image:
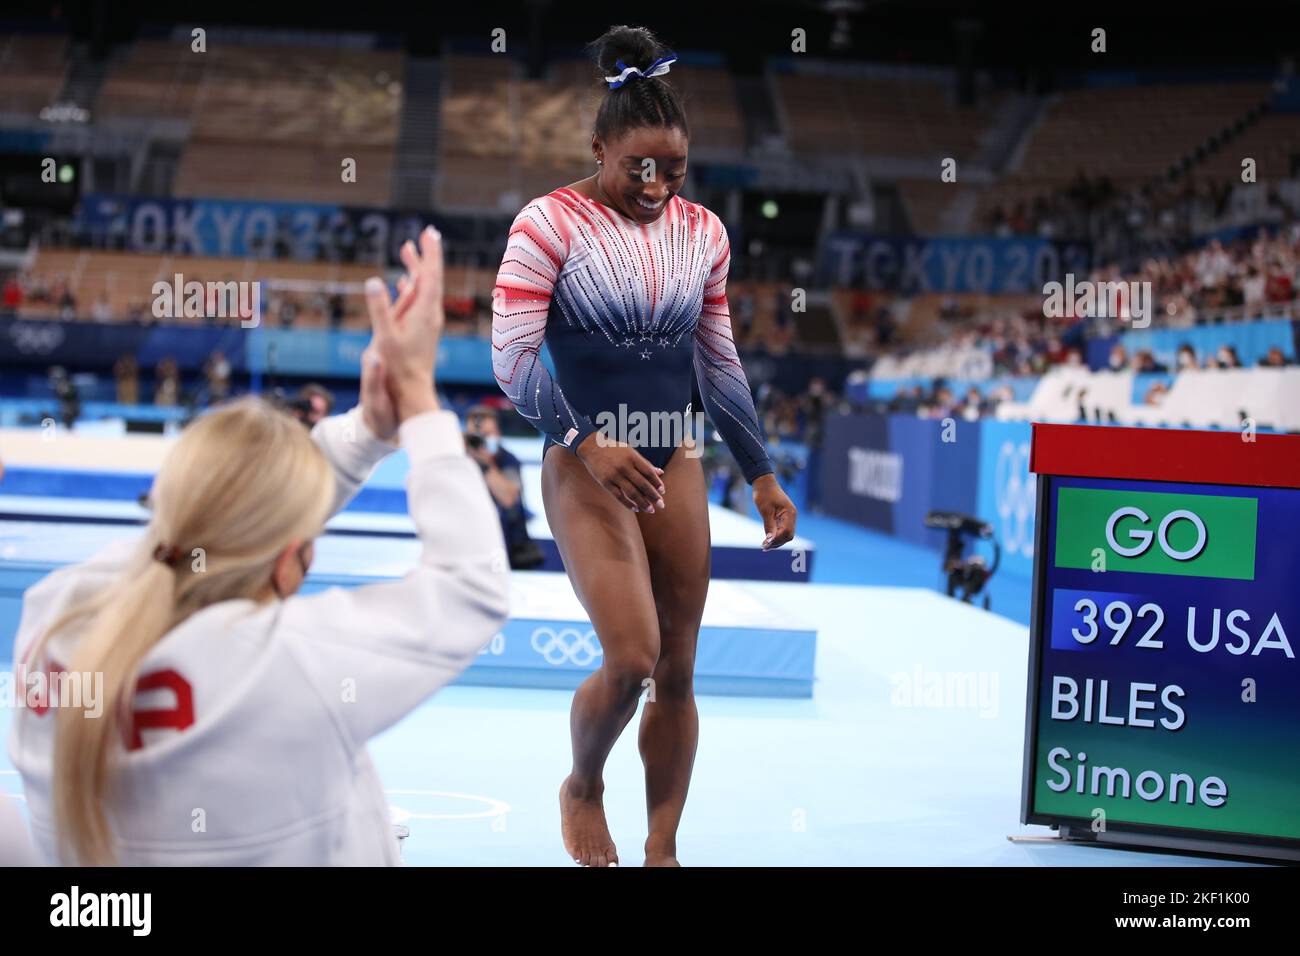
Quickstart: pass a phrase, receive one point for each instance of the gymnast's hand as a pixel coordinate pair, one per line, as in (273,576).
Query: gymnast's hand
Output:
(406,334)
(777,509)
(623,472)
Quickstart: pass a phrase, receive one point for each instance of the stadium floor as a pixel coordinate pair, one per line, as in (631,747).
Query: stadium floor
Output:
(851,777)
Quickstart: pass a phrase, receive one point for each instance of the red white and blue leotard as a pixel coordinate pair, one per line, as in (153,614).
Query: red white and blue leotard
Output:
(627,311)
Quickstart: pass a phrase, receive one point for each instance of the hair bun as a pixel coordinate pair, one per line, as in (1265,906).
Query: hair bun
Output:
(635,46)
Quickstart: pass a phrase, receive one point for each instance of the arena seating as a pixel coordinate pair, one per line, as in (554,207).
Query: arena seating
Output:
(268,122)
(33,69)
(879,116)
(125,280)
(1271,141)
(492,160)
(1127,134)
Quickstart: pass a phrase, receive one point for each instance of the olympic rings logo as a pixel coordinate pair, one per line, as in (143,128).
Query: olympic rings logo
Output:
(566,646)
(35,337)
(1016,489)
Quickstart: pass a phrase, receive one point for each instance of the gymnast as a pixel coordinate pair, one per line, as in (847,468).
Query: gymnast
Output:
(626,283)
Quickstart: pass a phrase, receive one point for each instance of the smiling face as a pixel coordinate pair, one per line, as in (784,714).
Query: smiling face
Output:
(642,169)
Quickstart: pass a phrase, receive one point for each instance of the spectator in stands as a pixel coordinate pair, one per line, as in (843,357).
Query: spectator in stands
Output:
(815,403)
(286,310)
(1156,393)
(941,404)
(1213,265)
(312,403)
(1186,358)
(126,372)
(1055,353)
(1117,361)
(67,302)
(1145,361)
(972,406)
(1228,357)
(337,311)
(501,471)
(1252,287)
(907,399)
(1274,358)
(217,371)
(1278,286)
(1180,313)
(12,299)
(167,383)
(38,289)
(100,311)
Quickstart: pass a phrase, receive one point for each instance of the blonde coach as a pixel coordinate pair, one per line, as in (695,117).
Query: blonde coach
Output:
(229,700)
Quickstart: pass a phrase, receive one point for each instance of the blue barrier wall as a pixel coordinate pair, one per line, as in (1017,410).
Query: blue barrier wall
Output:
(1006,492)
(887,472)
(883,389)
(1252,340)
(84,345)
(462,360)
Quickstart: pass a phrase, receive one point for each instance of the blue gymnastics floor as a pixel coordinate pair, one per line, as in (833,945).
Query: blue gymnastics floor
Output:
(851,777)
(850,554)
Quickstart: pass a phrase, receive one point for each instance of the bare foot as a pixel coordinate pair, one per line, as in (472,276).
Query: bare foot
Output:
(660,853)
(582,825)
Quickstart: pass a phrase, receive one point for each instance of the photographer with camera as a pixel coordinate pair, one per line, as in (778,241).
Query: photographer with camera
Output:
(967,576)
(501,471)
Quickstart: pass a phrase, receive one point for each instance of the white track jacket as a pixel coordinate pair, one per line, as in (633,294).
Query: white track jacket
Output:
(251,720)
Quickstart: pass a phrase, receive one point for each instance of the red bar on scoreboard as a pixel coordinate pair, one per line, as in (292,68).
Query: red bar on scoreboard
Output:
(1166,454)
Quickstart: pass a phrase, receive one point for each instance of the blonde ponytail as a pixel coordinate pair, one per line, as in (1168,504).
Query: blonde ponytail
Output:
(240,484)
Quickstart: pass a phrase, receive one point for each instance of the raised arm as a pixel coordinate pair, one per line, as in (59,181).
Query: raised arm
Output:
(374,653)
(353,451)
(521,300)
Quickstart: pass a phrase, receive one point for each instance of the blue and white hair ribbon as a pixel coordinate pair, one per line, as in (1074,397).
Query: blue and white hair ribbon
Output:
(657,68)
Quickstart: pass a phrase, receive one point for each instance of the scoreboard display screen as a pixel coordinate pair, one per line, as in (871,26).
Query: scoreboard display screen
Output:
(1164,688)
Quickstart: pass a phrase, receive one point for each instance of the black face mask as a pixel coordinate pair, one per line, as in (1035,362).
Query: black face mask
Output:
(302,563)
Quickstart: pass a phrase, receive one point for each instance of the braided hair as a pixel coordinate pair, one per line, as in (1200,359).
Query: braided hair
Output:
(644,100)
